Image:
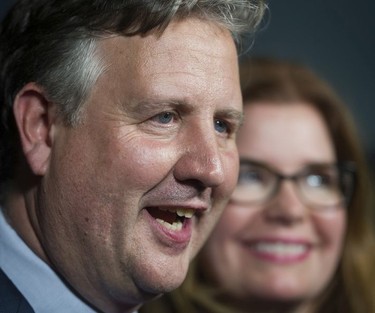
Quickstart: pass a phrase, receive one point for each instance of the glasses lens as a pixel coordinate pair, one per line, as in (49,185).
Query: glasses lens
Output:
(255,183)
(322,186)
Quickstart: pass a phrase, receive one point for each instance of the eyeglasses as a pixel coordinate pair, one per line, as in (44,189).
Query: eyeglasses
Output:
(318,185)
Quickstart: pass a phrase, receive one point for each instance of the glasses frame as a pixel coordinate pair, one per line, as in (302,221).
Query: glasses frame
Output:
(346,170)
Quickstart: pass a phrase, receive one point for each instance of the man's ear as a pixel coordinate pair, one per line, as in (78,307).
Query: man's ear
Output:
(34,118)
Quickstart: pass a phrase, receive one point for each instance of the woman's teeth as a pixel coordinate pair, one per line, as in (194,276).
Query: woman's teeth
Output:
(279,248)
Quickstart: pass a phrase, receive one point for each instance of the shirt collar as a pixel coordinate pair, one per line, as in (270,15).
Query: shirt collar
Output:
(33,277)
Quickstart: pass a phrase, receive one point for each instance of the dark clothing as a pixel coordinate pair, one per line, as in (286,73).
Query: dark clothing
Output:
(11,300)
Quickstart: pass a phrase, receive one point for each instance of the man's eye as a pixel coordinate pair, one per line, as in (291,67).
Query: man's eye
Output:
(164,118)
(221,126)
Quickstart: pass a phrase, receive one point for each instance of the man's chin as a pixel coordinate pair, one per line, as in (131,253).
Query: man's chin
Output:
(159,285)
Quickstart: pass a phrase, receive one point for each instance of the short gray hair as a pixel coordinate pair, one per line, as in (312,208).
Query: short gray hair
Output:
(53,43)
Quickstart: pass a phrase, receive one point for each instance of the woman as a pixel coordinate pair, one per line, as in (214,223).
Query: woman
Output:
(297,234)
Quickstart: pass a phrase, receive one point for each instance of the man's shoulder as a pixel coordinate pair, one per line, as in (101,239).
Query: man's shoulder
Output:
(11,300)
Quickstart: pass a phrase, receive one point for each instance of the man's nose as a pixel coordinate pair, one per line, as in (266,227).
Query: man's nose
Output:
(201,159)
(286,206)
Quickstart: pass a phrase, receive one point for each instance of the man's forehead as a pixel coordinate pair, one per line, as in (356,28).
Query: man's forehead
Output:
(178,38)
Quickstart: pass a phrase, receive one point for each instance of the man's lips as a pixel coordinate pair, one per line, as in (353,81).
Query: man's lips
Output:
(171,217)
(172,225)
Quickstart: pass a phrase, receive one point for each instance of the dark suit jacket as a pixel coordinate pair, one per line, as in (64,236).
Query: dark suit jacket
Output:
(11,300)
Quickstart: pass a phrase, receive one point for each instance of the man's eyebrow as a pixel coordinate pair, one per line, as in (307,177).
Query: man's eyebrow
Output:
(232,114)
(152,103)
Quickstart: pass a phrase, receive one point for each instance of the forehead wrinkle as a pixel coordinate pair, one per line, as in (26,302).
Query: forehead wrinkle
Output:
(199,62)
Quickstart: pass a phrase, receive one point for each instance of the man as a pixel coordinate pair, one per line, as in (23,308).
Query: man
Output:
(118,146)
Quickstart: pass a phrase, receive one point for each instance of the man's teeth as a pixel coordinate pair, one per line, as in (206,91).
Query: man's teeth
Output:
(175,226)
(283,249)
(188,213)
(181,212)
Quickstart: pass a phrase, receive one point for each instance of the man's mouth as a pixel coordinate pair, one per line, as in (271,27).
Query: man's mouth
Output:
(171,218)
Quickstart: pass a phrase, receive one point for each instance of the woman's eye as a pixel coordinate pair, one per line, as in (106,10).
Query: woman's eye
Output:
(249,177)
(221,127)
(319,180)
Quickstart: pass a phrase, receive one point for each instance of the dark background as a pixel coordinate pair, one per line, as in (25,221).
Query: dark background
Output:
(334,37)
(337,39)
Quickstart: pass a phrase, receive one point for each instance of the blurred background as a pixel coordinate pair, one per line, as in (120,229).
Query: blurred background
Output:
(336,38)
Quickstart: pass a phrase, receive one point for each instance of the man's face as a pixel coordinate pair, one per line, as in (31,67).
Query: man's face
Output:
(157,137)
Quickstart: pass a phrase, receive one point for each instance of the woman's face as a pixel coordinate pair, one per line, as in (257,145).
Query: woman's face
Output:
(281,249)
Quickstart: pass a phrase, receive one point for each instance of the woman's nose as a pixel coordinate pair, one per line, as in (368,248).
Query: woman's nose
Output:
(286,206)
